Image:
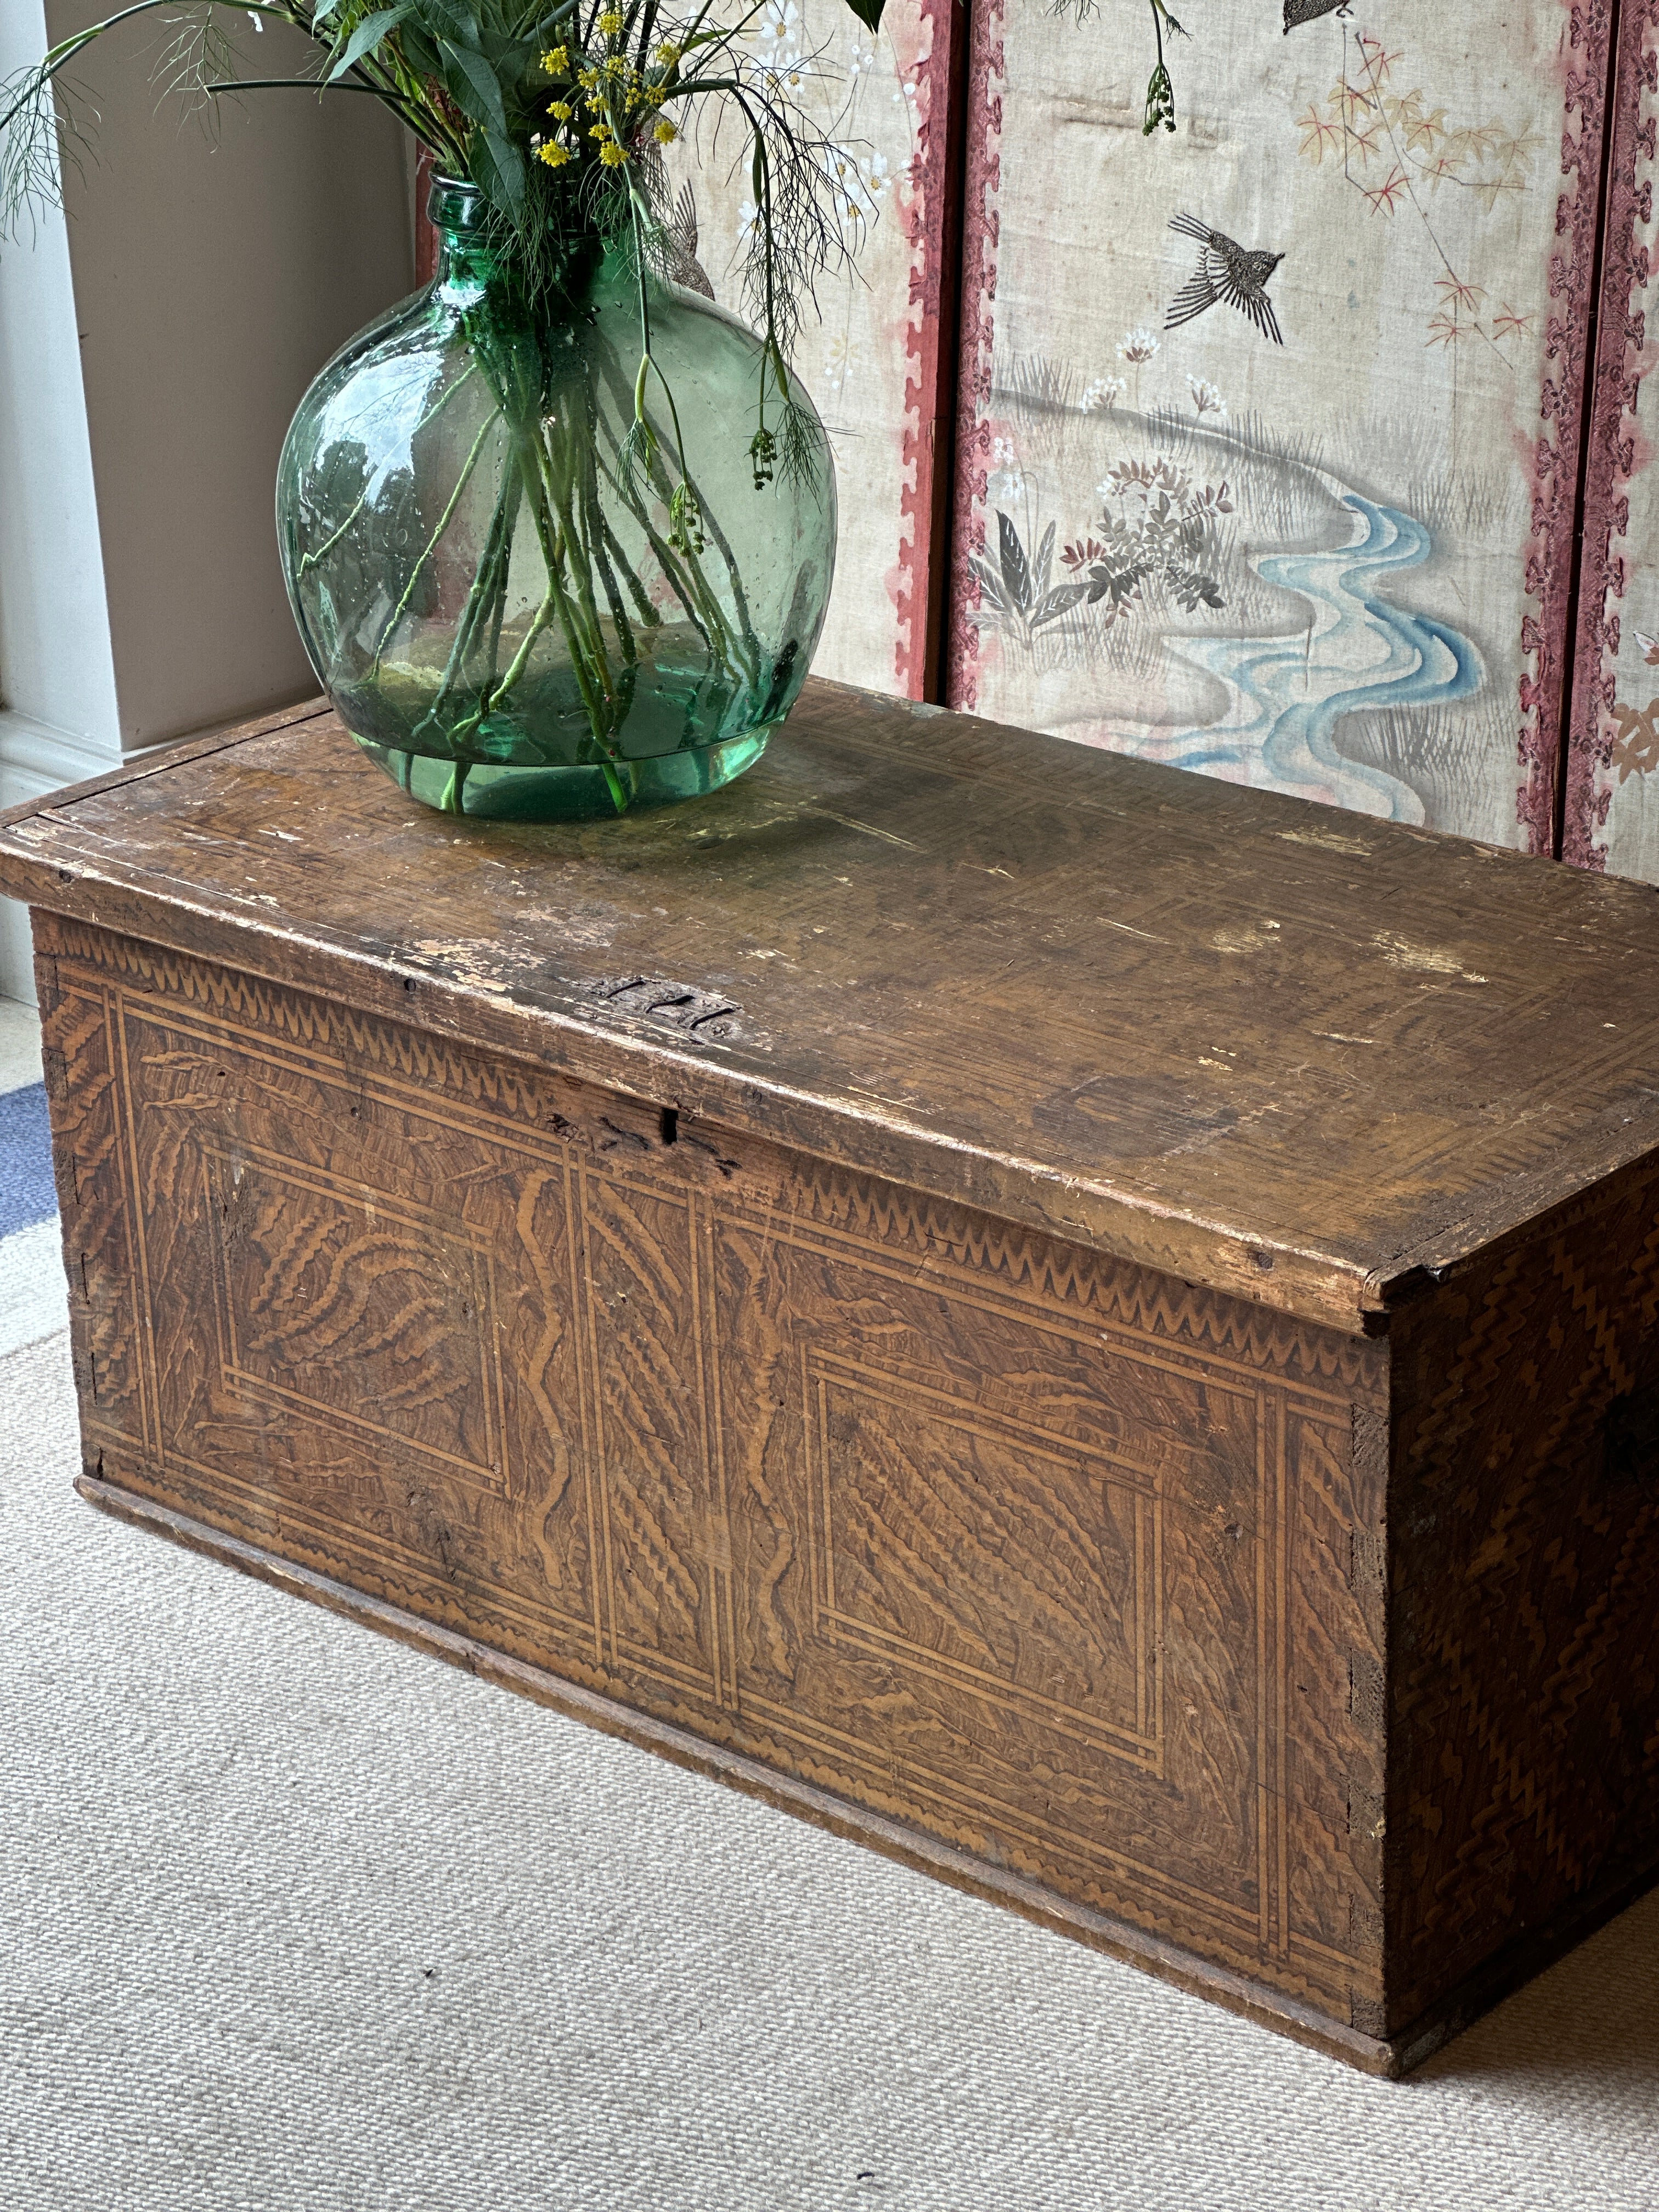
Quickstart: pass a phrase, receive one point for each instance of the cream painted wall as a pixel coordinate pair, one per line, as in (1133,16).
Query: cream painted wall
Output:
(51,576)
(152,351)
(211,284)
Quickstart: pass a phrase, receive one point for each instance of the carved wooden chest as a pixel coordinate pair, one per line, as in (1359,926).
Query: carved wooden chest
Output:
(1095,1330)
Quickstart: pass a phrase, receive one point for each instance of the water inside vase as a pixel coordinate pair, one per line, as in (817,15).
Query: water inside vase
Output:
(674,693)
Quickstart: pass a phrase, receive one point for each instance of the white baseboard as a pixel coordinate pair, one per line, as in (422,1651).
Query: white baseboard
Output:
(34,759)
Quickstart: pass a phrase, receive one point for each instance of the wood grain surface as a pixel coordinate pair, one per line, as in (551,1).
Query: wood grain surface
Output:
(1002,1538)
(896,1840)
(1293,1055)
(1523,1565)
(508,1236)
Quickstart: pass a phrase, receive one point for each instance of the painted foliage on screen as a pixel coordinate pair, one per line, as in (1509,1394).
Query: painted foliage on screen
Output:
(876,96)
(1250,452)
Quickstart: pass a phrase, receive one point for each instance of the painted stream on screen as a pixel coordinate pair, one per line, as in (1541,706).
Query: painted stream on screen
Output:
(1287,695)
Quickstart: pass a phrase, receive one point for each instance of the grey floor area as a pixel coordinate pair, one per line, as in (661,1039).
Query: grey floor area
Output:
(292,1916)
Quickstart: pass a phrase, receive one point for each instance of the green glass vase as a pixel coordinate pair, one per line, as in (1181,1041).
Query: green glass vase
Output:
(538,581)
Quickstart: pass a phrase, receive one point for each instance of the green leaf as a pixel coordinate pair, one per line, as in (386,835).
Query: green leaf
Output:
(419,51)
(446,18)
(1016,575)
(499,168)
(369,32)
(474,86)
(1059,601)
(990,583)
(868,12)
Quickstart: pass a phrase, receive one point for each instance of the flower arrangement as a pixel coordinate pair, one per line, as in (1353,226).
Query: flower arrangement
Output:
(515,525)
(559,114)
(535,559)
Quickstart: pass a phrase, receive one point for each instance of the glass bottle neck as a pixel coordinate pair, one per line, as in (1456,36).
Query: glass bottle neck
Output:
(473,258)
(467,267)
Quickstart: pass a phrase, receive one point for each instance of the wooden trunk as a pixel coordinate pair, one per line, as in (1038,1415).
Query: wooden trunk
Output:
(1091,1328)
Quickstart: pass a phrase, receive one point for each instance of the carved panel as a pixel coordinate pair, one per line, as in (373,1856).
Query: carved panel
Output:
(1038,1551)
(1055,1625)
(1524,1730)
(1002,1540)
(638,1306)
(315,1287)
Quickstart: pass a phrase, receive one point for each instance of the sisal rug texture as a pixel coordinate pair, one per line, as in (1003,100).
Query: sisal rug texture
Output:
(291,1916)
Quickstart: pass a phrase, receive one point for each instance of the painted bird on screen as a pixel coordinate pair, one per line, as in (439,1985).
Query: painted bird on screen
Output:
(1225,272)
(1297,12)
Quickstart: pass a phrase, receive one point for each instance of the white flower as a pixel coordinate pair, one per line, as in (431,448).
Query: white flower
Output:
(860,183)
(1103,391)
(1138,345)
(862,59)
(1206,397)
(845,185)
(840,358)
(748,215)
(1007,479)
(777,35)
(779,26)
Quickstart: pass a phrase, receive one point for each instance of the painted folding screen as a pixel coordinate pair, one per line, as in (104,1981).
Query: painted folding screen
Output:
(1611,818)
(874,350)
(1269,437)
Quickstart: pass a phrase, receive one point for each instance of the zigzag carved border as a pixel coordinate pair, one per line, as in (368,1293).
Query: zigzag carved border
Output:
(1023,1265)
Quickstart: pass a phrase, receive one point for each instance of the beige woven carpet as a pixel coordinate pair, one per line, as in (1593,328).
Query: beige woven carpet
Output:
(292,1916)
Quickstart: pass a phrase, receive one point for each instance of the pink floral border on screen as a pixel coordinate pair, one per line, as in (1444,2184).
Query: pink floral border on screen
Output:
(1618,449)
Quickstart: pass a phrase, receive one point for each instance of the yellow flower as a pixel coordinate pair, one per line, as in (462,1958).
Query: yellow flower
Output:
(616,66)
(654,94)
(588,78)
(557,60)
(601,131)
(554,154)
(612,154)
(611,22)
(562,109)
(665,132)
(667,54)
